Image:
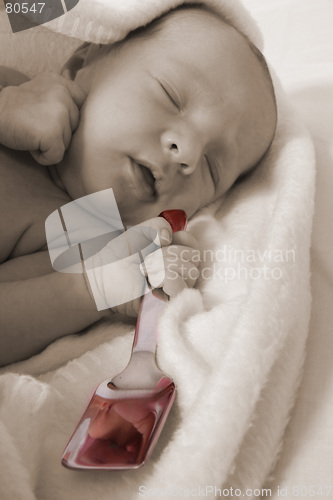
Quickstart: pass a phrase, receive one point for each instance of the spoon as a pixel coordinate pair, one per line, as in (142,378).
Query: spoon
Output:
(125,417)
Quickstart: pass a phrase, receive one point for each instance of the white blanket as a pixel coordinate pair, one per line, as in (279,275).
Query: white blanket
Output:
(235,346)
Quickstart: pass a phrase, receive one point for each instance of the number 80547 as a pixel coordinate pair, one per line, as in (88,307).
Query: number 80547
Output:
(24,7)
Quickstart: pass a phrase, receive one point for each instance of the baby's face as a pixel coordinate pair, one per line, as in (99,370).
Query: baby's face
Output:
(170,121)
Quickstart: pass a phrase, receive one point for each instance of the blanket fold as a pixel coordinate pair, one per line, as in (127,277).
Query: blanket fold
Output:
(101,21)
(234,346)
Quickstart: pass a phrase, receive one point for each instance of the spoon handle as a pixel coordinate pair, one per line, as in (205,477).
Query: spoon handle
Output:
(151,309)
(153,302)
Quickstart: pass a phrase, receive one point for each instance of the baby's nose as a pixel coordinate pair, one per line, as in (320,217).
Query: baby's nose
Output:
(182,151)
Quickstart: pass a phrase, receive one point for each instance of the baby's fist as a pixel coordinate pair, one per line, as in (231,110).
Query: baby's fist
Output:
(179,268)
(40,116)
(114,273)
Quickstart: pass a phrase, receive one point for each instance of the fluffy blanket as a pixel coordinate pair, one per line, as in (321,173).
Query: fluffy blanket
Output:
(234,346)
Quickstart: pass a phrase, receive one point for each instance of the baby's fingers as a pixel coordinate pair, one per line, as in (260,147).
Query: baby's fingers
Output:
(174,286)
(52,150)
(160,279)
(160,270)
(52,156)
(184,238)
(142,236)
(77,93)
(72,98)
(187,270)
(171,283)
(74,115)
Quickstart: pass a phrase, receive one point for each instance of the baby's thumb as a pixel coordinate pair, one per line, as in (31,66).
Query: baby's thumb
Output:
(157,230)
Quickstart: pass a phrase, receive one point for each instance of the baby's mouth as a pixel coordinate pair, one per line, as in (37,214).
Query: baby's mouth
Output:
(145,180)
(148,176)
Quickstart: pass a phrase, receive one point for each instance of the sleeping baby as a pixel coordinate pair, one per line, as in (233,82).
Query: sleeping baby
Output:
(170,117)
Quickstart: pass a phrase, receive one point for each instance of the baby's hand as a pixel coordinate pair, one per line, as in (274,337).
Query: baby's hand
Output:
(173,267)
(40,116)
(118,281)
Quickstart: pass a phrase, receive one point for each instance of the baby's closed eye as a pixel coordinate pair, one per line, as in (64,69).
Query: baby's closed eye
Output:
(171,95)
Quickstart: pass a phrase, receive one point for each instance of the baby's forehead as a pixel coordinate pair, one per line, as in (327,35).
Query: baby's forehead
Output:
(186,19)
(187,23)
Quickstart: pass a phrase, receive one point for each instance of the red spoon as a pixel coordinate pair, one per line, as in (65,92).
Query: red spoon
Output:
(125,416)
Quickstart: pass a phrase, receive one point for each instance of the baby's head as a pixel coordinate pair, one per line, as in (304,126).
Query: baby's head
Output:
(175,114)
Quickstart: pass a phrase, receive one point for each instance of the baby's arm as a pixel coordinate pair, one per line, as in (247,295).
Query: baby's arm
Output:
(36,310)
(9,76)
(38,115)
(38,306)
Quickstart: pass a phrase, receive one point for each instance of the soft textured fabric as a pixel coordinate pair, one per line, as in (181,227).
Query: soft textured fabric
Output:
(234,346)
(103,21)
(298,42)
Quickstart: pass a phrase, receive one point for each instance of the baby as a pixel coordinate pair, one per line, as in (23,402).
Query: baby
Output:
(170,117)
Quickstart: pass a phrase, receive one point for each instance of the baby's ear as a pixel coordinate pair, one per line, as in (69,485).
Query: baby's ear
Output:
(82,64)
(75,62)
(78,65)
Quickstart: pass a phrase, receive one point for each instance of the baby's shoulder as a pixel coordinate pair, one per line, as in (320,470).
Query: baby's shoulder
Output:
(27,197)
